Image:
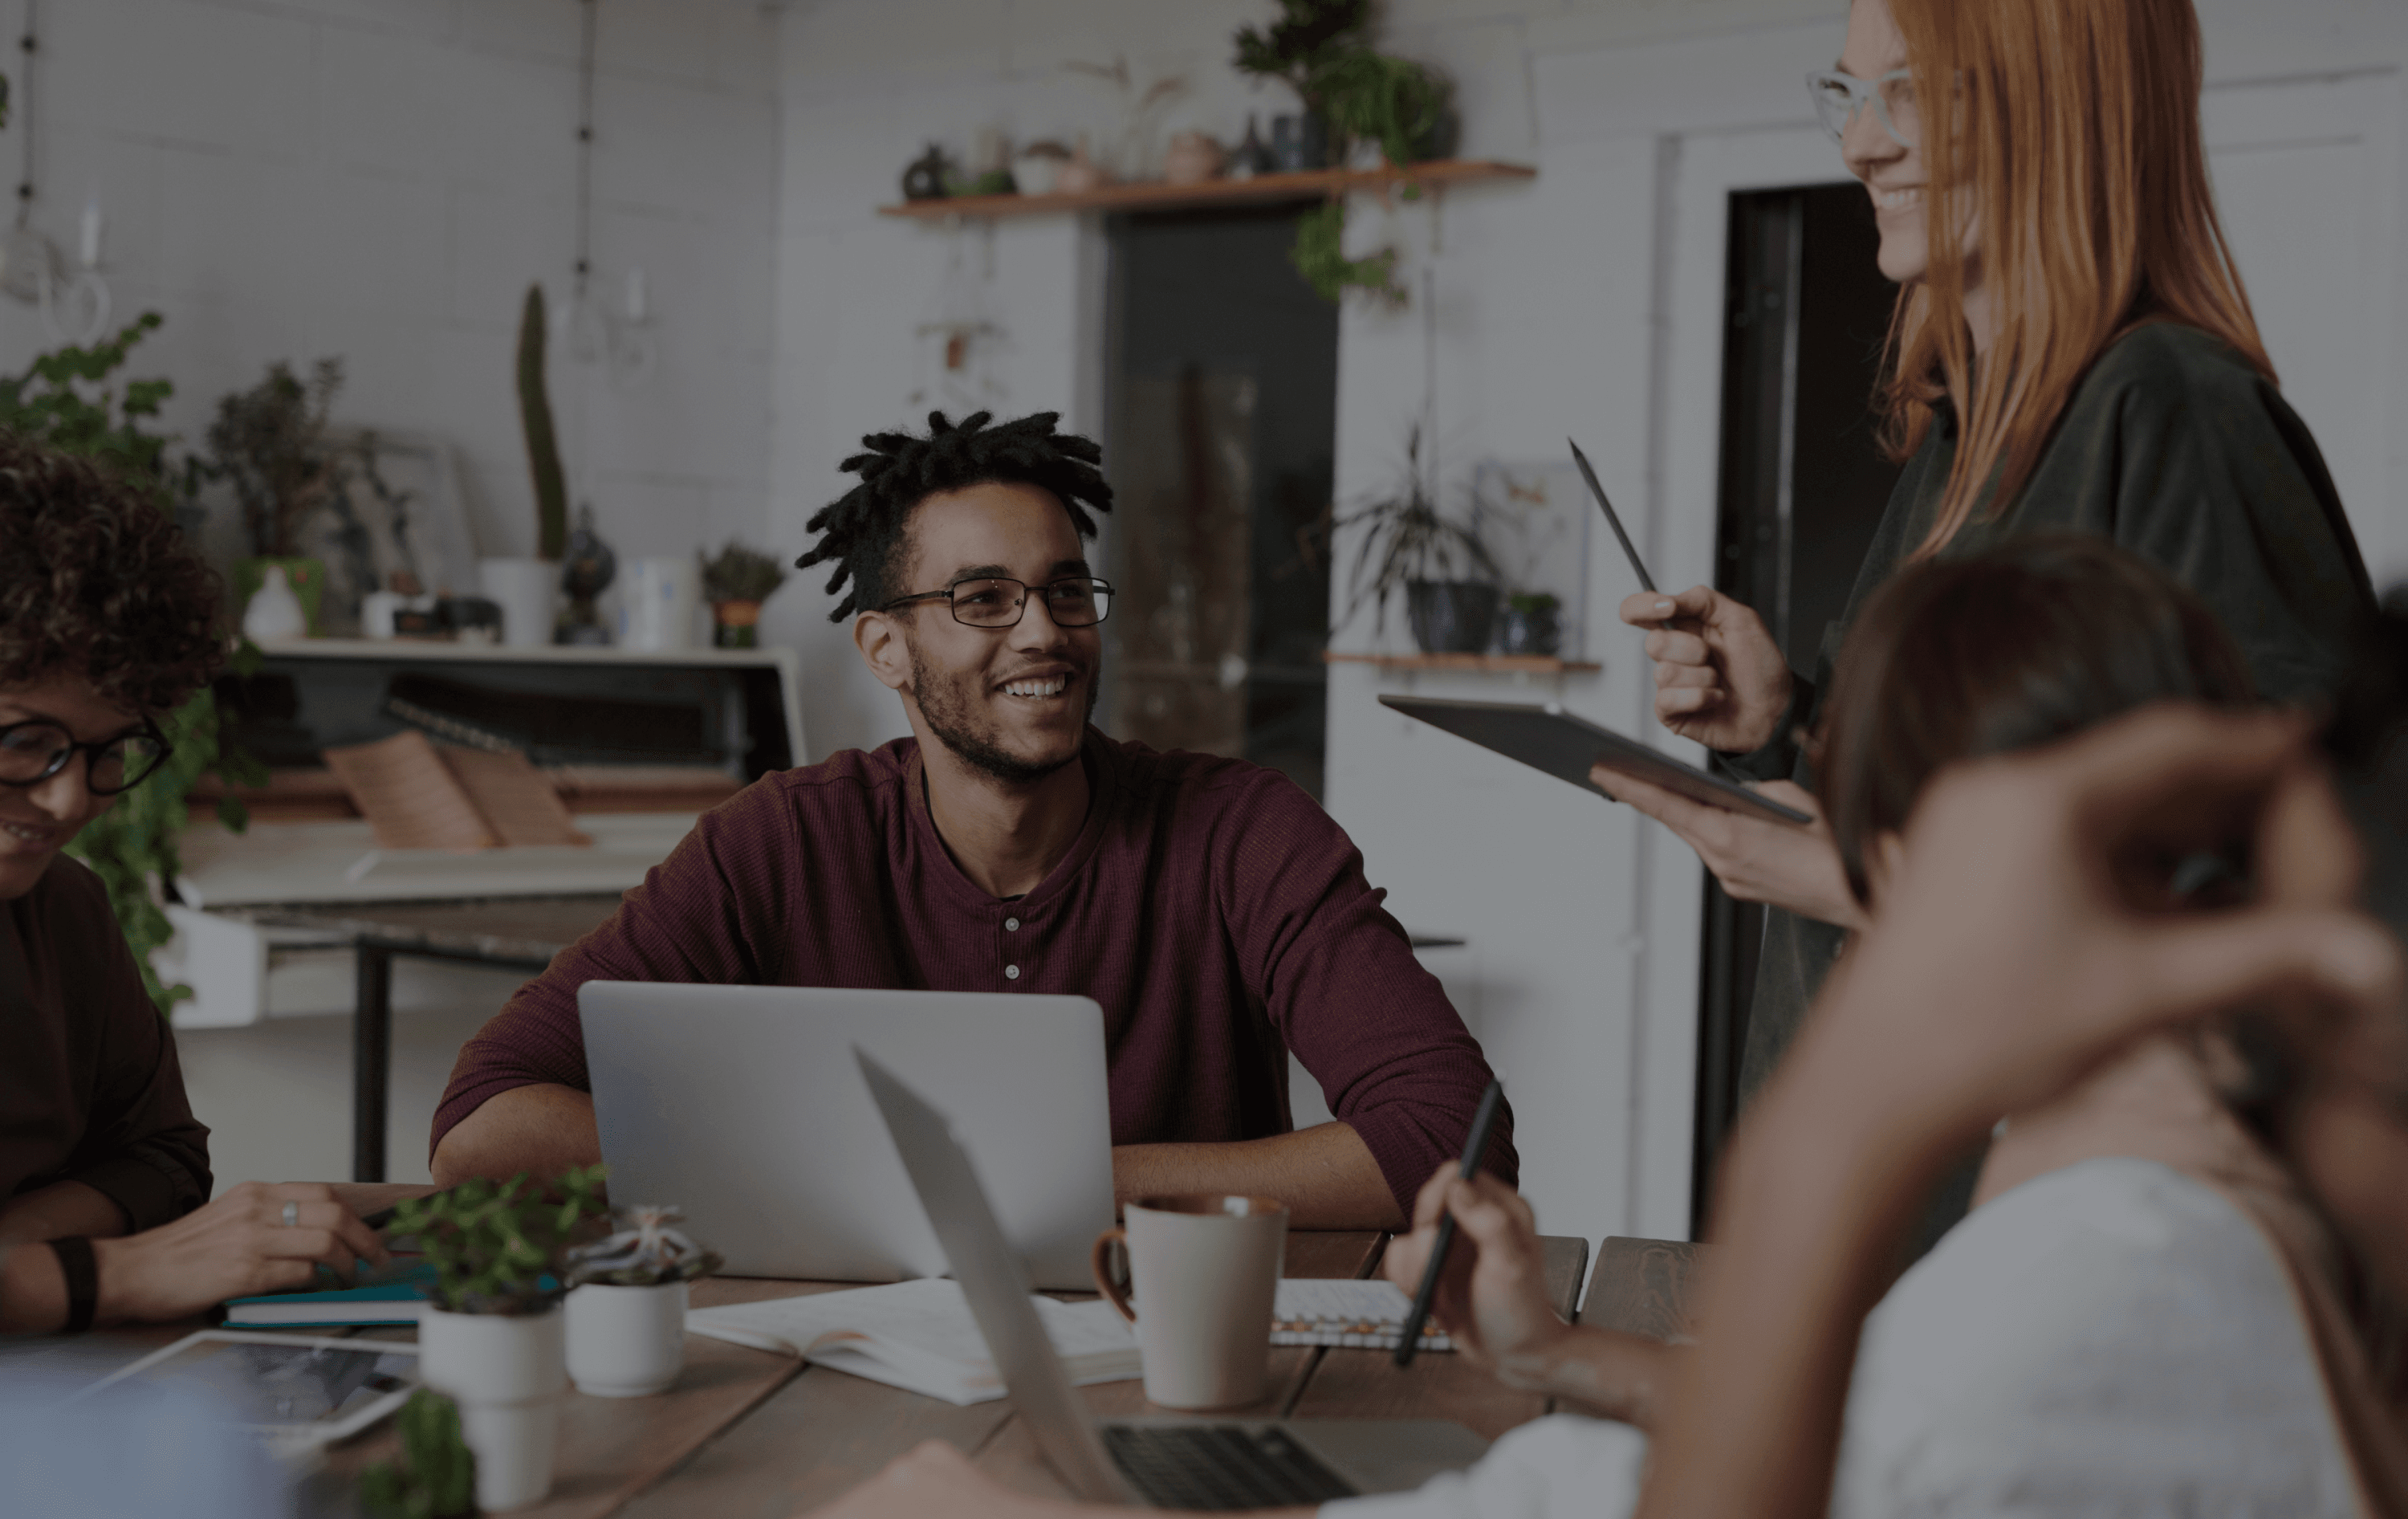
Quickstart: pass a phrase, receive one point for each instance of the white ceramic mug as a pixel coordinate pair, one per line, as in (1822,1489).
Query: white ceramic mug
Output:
(527,590)
(626,1341)
(658,604)
(1205,1270)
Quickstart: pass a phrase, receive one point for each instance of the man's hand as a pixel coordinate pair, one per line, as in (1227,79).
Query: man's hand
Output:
(1756,858)
(1719,677)
(1492,1298)
(232,1247)
(2008,961)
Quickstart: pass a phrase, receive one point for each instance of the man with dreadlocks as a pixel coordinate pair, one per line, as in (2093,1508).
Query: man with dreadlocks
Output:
(1216,914)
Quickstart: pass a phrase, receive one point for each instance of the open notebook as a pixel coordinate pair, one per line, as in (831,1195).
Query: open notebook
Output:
(415,795)
(1352,1316)
(919,1336)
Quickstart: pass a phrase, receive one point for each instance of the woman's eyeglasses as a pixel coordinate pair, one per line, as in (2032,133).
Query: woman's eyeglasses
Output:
(1078,601)
(33,752)
(1839,96)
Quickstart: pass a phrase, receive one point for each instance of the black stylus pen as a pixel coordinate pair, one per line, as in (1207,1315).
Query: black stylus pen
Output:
(1475,1149)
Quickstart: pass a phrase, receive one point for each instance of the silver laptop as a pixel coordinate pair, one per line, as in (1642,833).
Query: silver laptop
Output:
(743,1106)
(1170,1461)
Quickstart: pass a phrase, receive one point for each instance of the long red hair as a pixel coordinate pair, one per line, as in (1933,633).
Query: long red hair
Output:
(2069,130)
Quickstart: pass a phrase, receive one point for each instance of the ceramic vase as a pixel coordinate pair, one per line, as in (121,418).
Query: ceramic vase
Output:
(273,610)
(656,607)
(1035,172)
(1191,158)
(527,590)
(306,577)
(508,1372)
(1451,617)
(626,1341)
(1082,175)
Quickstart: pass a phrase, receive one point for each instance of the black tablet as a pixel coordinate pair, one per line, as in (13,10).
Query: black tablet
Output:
(1565,746)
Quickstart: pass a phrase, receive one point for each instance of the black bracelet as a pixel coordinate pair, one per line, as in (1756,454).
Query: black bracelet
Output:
(83,1281)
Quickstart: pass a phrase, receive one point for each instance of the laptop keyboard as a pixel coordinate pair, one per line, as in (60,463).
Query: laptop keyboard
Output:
(1220,1467)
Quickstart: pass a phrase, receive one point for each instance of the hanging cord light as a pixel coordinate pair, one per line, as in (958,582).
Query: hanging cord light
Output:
(75,306)
(618,339)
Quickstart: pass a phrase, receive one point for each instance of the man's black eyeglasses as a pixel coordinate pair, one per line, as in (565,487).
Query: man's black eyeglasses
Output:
(1077,601)
(33,752)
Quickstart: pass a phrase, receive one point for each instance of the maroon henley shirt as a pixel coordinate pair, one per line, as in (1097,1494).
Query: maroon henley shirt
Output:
(1213,909)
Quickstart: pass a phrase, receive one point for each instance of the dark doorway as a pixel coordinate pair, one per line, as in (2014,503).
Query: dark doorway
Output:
(1802,486)
(1222,418)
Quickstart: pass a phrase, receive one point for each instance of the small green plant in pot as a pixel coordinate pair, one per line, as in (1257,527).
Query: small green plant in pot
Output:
(736,581)
(491,1338)
(1409,545)
(435,1477)
(269,443)
(1531,624)
(626,1310)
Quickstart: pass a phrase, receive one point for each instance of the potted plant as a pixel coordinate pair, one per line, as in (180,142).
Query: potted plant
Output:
(1299,50)
(1409,545)
(527,589)
(65,401)
(492,1337)
(269,442)
(1531,625)
(435,1477)
(736,582)
(627,1302)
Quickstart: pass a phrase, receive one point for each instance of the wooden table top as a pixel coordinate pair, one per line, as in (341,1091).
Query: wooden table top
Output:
(1645,1287)
(750,1435)
(524,929)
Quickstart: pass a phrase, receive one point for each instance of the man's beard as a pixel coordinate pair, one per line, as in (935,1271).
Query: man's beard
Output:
(947,708)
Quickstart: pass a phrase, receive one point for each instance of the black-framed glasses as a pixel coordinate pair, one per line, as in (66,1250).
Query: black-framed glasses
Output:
(32,752)
(1840,96)
(989,601)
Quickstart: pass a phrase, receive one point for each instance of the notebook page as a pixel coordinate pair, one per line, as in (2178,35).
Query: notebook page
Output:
(517,799)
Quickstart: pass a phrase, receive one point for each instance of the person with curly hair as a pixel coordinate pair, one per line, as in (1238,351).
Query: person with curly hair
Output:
(1217,914)
(107,620)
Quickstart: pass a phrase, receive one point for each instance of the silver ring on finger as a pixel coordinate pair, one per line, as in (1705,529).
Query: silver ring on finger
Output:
(292,1216)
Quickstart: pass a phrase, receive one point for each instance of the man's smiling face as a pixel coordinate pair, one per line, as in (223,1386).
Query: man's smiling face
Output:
(1012,702)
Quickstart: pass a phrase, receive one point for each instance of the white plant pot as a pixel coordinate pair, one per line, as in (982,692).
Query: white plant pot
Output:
(508,1373)
(626,1341)
(528,592)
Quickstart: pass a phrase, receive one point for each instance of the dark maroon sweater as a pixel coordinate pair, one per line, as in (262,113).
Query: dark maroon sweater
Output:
(1212,908)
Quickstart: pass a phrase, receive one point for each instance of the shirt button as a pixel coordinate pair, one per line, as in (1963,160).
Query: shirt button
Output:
(1011,972)
(1011,926)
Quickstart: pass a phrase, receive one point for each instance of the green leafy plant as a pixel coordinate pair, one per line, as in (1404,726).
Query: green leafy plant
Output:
(436,1475)
(1533,603)
(66,400)
(501,1249)
(269,443)
(1407,539)
(736,573)
(1320,256)
(1396,102)
(1309,36)
(542,445)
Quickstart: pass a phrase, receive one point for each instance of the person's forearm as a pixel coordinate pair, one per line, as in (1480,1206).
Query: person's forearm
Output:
(541,1129)
(61,1210)
(1622,1377)
(1324,1174)
(1817,1192)
(32,1290)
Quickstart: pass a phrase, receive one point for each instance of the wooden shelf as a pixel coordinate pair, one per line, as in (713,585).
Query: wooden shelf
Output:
(1487,664)
(1155,196)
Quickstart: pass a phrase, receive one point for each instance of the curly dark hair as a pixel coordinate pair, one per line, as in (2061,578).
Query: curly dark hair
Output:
(862,531)
(96,578)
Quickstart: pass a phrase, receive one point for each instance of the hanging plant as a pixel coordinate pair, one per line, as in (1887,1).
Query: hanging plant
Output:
(63,400)
(1320,255)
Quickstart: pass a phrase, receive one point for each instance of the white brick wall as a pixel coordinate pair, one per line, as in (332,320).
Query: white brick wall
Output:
(382,179)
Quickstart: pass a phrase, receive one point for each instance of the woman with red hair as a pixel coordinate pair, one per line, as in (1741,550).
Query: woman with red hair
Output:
(2072,349)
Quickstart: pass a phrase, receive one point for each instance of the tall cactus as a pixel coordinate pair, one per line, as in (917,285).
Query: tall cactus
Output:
(543,451)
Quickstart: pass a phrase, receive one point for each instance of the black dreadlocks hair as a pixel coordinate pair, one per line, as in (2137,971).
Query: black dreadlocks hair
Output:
(861,531)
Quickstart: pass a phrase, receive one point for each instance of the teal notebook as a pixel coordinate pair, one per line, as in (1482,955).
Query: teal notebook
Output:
(395,1295)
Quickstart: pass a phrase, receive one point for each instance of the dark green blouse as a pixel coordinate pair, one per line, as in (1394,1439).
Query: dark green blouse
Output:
(2173,447)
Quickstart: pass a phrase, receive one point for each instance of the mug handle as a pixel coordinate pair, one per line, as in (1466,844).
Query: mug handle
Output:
(1100,1263)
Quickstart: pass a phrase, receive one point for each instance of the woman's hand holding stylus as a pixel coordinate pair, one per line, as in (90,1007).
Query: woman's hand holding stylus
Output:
(1720,680)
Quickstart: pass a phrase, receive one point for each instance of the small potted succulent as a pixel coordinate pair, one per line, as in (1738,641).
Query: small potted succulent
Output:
(435,1477)
(1531,625)
(491,1338)
(627,1302)
(736,581)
